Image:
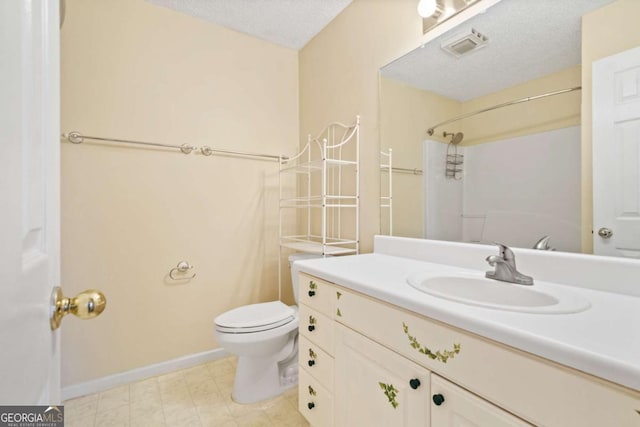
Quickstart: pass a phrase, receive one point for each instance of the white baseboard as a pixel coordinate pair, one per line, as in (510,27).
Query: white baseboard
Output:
(110,381)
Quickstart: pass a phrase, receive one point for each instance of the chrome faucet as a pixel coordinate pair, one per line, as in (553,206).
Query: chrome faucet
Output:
(505,264)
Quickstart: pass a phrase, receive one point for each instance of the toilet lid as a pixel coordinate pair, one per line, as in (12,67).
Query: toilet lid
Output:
(255,317)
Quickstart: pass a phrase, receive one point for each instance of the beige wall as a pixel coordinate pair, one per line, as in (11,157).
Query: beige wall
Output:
(541,115)
(339,79)
(137,71)
(404,115)
(606,31)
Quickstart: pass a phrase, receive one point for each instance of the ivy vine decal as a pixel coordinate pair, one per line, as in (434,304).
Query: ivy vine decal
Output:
(391,392)
(442,356)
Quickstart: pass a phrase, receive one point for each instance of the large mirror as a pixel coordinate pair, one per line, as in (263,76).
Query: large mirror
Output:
(473,158)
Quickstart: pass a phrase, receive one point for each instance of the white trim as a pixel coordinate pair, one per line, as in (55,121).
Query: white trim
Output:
(110,381)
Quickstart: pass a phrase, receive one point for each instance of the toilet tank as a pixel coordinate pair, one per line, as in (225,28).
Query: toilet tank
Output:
(294,271)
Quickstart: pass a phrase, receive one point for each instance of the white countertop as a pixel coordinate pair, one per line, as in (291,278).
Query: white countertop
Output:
(603,341)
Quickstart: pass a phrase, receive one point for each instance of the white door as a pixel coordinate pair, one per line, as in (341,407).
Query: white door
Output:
(29,200)
(616,155)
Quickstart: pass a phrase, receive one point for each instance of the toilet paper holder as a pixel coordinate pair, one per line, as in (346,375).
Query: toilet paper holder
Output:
(182,267)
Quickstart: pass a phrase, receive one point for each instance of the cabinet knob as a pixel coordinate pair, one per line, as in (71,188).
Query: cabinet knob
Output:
(311,363)
(438,399)
(414,383)
(311,405)
(312,293)
(311,328)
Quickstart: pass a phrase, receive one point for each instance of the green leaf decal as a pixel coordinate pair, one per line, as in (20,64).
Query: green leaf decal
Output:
(442,356)
(391,392)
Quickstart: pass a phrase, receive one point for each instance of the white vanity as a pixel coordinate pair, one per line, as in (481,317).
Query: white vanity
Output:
(376,351)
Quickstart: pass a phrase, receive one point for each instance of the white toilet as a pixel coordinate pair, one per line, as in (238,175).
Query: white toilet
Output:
(265,338)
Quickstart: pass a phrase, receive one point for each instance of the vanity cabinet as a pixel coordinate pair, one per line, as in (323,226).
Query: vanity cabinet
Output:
(454,406)
(315,350)
(366,355)
(375,386)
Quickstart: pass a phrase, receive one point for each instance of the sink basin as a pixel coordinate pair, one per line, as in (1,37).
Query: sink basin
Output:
(477,290)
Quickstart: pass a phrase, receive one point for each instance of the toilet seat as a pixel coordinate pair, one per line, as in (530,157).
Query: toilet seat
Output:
(255,318)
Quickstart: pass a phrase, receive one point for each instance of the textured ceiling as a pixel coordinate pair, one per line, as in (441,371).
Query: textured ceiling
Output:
(528,39)
(289,23)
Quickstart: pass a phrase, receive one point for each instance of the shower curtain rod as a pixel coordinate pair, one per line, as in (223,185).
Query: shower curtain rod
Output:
(504,104)
(77,138)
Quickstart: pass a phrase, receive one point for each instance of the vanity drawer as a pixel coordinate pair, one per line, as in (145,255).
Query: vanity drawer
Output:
(534,389)
(316,361)
(316,293)
(315,402)
(429,343)
(317,328)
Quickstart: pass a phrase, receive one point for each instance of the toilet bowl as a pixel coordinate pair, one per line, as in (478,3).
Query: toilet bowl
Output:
(264,336)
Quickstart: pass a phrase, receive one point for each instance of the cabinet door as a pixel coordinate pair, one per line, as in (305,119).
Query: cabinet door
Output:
(453,406)
(375,386)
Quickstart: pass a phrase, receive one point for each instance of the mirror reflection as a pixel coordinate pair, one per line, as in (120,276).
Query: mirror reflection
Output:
(484,129)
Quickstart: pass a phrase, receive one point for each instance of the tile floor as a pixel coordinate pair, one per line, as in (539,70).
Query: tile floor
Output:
(198,396)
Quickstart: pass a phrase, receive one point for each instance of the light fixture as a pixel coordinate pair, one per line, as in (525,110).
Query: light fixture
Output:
(427,8)
(436,12)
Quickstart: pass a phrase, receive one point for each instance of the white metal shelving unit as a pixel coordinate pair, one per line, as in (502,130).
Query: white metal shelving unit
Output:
(386,198)
(327,194)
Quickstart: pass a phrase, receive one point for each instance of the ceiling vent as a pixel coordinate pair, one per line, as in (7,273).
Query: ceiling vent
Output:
(465,43)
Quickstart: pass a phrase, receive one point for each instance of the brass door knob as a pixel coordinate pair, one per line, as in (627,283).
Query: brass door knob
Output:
(85,305)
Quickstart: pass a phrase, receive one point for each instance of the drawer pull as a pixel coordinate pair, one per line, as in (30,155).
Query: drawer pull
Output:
(438,399)
(311,363)
(312,322)
(391,392)
(441,356)
(311,328)
(312,392)
(311,405)
(312,293)
(414,383)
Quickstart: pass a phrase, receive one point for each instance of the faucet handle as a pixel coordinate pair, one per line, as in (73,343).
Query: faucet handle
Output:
(505,251)
(543,244)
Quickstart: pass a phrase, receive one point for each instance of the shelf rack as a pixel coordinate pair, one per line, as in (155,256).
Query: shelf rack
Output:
(386,202)
(327,193)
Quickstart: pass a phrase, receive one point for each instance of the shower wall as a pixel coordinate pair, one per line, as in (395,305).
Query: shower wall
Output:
(133,70)
(513,191)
